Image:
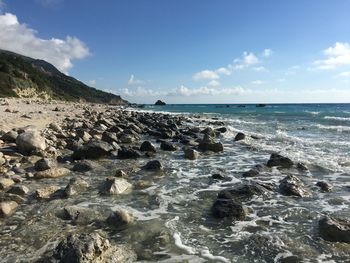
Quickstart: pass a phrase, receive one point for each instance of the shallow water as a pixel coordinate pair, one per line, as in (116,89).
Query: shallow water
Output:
(174,223)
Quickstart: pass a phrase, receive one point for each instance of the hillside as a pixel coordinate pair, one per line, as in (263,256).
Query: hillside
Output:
(22,76)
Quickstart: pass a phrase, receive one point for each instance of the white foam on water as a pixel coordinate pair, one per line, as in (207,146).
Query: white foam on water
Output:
(337,118)
(205,253)
(179,244)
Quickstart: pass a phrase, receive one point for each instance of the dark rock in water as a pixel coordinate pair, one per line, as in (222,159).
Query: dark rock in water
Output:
(191,154)
(154,165)
(209,131)
(79,215)
(279,160)
(167,146)
(222,129)
(240,136)
(335,229)
(128,153)
(324,186)
(147,146)
(301,167)
(242,192)
(120,218)
(207,144)
(45,164)
(75,186)
(160,103)
(220,177)
(292,185)
(228,208)
(90,248)
(251,173)
(18,190)
(84,166)
(93,150)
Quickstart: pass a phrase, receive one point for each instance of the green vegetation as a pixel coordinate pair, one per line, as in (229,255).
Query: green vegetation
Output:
(18,72)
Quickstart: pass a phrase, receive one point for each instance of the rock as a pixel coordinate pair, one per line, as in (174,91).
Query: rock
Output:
(160,103)
(84,166)
(52,173)
(301,167)
(93,150)
(120,218)
(127,138)
(167,146)
(279,160)
(334,229)
(222,129)
(228,208)
(6,183)
(110,137)
(91,248)
(207,144)
(191,154)
(7,208)
(79,215)
(154,165)
(128,153)
(218,177)
(147,146)
(46,192)
(324,186)
(292,185)
(115,186)
(55,127)
(82,134)
(75,186)
(45,164)
(18,190)
(251,173)
(9,136)
(121,173)
(242,192)
(240,136)
(29,141)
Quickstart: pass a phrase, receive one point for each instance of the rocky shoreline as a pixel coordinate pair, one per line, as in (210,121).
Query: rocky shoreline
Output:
(47,172)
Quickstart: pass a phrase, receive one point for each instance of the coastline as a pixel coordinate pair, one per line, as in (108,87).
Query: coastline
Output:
(127,190)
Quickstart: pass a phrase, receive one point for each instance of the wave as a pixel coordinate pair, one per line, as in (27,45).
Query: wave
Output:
(337,128)
(337,118)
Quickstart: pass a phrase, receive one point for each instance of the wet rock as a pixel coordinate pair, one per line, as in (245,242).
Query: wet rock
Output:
(120,217)
(191,154)
(207,144)
(301,167)
(52,173)
(324,186)
(222,129)
(242,192)
(45,164)
(127,138)
(79,215)
(120,173)
(75,186)
(46,192)
(228,208)
(6,183)
(93,150)
(251,173)
(7,208)
(239,136)
(91,248)
(219,176)
(110,137)
(335,229)
(147,146)
(9,136)
(160,103)
(292,185)
(18,190)
(29,141)
(154,165)
(279,160)
(128,153)
(84,166)
(115,186)
(167,146)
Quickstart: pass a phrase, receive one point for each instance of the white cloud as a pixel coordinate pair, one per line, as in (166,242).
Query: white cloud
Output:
(260,69)
(247,59)
(336,56)
(344,74)
(19,38)
(133,81)
(267,52)
(258,82)
(205,91)
(49,3)
(206,75)
(223,71)
(213,83)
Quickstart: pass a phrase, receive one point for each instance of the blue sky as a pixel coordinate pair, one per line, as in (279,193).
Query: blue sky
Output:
(190,51)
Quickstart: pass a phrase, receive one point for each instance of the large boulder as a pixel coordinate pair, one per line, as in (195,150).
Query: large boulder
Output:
(239,136)
(229,208)
(52,173)
(94,149)
(191,154)
(279,160)
(120,217)
(154,165)
(147,146)
(45,164)
(84,166)
(242,192)
(128,153)
(167,146)
(91,248)
(75,186)
(335,229)
(29,141)
(115,186)
(208,144)
(292,185)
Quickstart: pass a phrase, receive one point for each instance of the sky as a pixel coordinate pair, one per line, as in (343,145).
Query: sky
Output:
(190,51)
